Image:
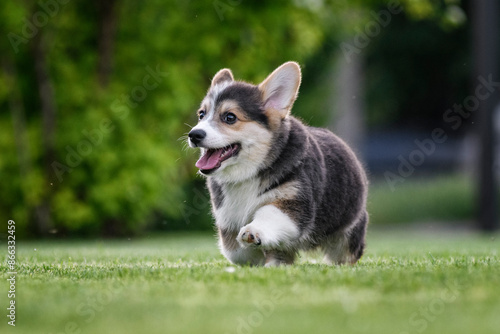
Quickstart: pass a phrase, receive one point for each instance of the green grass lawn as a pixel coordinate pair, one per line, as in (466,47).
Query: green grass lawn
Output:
(407,282)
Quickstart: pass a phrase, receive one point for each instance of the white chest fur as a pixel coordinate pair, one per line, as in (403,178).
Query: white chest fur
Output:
(241,201)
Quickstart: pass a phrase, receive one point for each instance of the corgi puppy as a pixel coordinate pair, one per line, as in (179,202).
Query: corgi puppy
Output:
(277,186)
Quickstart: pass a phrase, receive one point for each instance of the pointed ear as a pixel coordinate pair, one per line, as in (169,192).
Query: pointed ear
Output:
(280,88)
(221,76)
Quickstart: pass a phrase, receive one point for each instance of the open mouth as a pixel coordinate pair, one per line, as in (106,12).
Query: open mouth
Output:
(213,158)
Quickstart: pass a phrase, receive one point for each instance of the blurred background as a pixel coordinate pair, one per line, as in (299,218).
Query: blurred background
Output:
(96,98)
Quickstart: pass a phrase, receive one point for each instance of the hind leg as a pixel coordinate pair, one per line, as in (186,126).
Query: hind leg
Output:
(347,246)
(357,237)
(336,249)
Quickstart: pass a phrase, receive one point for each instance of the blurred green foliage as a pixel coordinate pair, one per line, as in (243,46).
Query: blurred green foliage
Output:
(119,164)
(428,200)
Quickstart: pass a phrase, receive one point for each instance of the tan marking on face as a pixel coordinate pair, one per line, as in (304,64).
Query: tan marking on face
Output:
(205,106)
(230,106)
(274,117)
(243,128)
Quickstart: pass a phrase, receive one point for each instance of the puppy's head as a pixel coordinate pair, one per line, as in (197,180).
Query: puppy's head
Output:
(237,121)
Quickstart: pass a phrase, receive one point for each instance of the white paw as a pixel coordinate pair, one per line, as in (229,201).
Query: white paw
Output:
(248,236)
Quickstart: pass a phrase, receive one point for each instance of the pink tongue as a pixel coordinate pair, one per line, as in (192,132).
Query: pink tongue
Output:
(209,160)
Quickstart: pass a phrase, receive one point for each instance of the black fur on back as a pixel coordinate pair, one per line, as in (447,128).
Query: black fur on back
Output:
(332,183)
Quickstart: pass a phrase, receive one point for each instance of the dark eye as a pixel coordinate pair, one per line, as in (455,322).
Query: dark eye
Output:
(201,114)
(229,118)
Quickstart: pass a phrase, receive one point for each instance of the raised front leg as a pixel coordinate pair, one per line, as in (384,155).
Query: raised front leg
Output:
(233,251)
(274,232)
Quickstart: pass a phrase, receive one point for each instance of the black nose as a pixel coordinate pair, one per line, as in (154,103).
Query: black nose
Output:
(197,136)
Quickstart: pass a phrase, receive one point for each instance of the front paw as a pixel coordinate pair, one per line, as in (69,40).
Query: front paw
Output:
(249,236)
